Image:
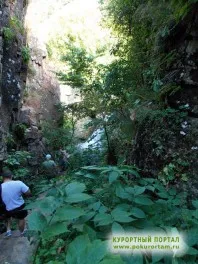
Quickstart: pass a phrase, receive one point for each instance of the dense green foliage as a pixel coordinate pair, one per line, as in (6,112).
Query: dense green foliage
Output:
(138,60)
(17,162)
(122,90)
(123,77)
(56,137)
(77,213)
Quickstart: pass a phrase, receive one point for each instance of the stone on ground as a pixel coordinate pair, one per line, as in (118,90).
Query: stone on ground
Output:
(15,249)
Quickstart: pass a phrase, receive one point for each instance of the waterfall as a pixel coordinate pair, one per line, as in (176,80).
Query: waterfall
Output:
(94,141)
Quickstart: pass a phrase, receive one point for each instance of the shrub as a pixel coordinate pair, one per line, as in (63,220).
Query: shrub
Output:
(101,201)
(56,137)
(16,159)
(17,162)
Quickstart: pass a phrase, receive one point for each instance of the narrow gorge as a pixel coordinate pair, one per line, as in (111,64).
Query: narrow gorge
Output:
(107,91)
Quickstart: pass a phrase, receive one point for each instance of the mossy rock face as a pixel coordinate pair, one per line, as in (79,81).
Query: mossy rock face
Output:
(168,149)
(166,144)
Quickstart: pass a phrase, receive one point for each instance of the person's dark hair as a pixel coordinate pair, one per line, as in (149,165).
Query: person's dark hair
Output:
(7,175)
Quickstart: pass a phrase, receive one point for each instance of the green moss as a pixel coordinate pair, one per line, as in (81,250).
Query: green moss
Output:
(8,34)
(14,28)
(16,25)
(25,53)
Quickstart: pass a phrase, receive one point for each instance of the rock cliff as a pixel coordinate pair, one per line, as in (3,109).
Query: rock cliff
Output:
(29,91)
(168,145)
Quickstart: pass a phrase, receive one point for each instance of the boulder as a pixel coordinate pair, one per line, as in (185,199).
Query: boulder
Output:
(27,116)
(32,133)
(16,249)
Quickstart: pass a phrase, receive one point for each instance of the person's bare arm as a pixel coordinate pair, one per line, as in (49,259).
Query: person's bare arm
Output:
(28,193)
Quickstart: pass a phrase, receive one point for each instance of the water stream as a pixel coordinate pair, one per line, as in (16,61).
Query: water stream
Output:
(94,141)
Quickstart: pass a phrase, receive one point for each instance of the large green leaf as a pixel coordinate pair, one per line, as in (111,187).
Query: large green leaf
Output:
(113,175)
(121,216)
(142,182)
(195,213)
(90,176)
(195,203)
(161,201)
(149,180)
(121,192)
(130,171)
(55,230)
(176,201)
(81,251)
(133,259)
(112,260)
(157,257)
(163,195)
(150,188)
(78,227)
(77,197)
(32,205)
(160,187)
(134,172)
(75,187)
(191,237)
(137,212)
(87,217)
(48,205)
(95,252)
(95,206)
(138,190)
(94,168)
(123,206)
(90,232)
(143,224)
(106,222)
(117,229)
(101,216)
(80,173)
(37,221)
(130,190)
(85,174)
(143,200)
(76,248)
(67,212)
(103,209)
(192,251)
(103,219)
(172,191)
